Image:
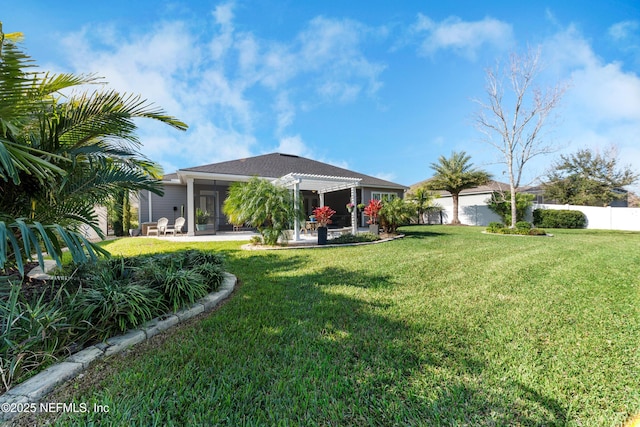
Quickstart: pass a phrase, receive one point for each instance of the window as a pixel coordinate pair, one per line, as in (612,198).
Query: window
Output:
(378,195)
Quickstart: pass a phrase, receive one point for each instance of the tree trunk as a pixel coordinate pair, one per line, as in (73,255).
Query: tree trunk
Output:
(455,219)
(514,217)
(126,212)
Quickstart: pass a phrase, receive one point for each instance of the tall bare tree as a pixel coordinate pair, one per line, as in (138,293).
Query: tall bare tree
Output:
(513,124)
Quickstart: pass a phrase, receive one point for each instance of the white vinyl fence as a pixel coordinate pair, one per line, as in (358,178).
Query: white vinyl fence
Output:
(604,218)
(473,210)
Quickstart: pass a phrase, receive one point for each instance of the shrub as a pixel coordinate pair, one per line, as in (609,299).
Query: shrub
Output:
(180,287)
(195,258)
(550,218)
(522,227)
(500,203)
(269,208)
(212,275)
(106,306)
(537,232)
(350,238)
(30,335)
(394,213)
(495,227)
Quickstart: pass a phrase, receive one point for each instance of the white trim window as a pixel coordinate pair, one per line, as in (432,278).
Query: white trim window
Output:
(379,195)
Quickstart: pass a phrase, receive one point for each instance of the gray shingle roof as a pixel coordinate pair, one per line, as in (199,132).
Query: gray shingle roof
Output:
(276,165)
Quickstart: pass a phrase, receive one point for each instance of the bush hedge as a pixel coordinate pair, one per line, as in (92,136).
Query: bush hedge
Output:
(549,218)
(350,238)
(522,227)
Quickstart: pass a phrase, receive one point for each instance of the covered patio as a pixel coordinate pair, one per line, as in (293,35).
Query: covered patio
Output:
(321,184)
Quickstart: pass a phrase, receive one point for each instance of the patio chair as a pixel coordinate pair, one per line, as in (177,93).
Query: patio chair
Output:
(177,227)
(162,226)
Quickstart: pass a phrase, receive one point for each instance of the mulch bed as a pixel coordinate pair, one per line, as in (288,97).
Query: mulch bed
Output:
(31,289)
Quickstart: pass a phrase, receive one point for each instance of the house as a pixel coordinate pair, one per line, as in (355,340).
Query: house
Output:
(472,204)
(315,183)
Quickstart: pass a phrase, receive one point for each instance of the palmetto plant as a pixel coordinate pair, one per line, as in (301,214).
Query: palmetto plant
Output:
(267,207)
(59,156)
(394,213)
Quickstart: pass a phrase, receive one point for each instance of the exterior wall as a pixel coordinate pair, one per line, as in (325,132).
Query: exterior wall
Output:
(606,218)
(174,196)
(366,194)
(472,209)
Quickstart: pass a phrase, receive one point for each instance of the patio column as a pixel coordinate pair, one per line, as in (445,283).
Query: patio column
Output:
(354,211)
(191,212)
(150,207)
(296,201)
(321,199)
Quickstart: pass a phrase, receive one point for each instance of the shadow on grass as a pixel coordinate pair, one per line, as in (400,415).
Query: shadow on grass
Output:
(419,231)
(325,347)
(330,345)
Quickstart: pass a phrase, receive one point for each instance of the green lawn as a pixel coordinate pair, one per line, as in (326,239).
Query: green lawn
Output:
(447,326)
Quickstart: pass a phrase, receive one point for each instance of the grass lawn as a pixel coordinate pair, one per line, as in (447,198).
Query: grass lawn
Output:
(447,326)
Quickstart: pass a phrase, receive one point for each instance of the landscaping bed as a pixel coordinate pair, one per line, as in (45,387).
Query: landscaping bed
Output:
(44,320)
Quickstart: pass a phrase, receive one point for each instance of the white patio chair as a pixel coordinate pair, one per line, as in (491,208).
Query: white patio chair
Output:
(177,227)
(162,225)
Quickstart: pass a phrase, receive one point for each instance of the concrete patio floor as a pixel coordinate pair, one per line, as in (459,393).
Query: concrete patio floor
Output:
(221,236)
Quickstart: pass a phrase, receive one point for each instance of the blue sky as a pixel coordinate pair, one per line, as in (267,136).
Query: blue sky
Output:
(380,87)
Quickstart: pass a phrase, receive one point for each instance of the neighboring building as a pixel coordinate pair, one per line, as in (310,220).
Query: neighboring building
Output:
(317,184)
(472,204)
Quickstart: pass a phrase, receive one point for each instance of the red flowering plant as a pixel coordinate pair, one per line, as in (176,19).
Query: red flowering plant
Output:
(323,215)
(372,210)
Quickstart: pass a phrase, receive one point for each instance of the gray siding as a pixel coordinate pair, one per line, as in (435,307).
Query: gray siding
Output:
(174,196)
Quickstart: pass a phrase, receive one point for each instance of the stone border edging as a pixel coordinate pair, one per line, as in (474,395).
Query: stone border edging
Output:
(38,386)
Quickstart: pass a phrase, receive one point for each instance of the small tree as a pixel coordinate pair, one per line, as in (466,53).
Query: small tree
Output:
(269,208)
(423,200)
(394,213)
(514,125)
(588,178)
(454,175)
(500,203)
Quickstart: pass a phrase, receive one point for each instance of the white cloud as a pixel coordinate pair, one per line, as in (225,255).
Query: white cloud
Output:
(602,105)
(285,112)
(600,92)
(293,145)
(463,37)
(605,93)
(624,30)
(387,176)
(227,84)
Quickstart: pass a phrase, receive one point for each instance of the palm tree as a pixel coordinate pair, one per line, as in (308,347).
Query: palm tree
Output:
(454,175)
(422,198)
(267,207)
(61,156)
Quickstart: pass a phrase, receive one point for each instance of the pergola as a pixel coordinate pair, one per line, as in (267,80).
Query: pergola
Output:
(321,184)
